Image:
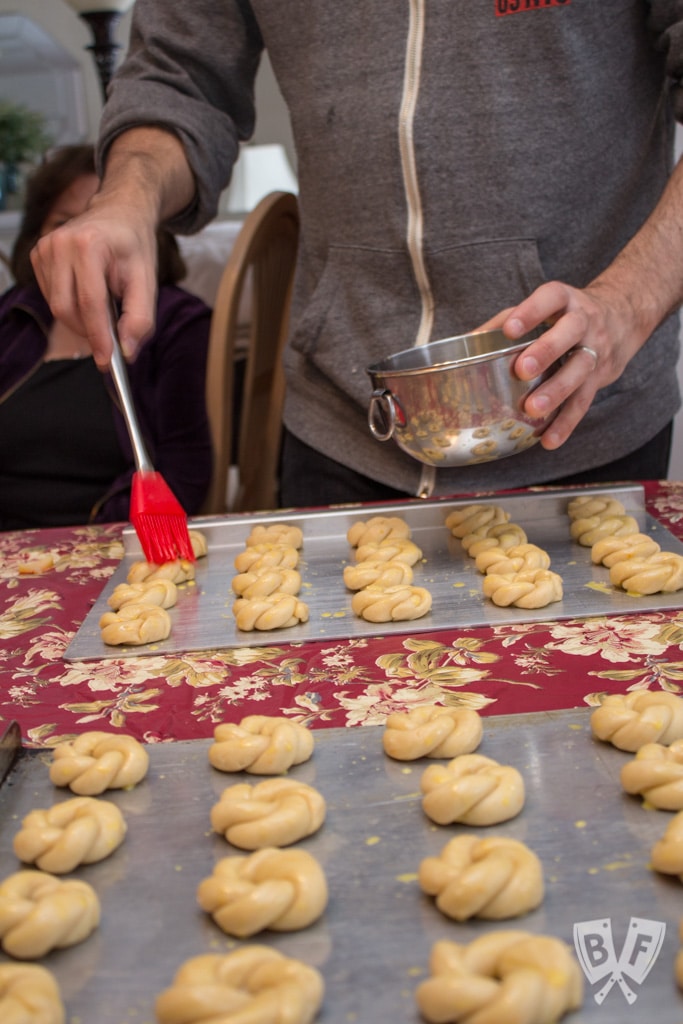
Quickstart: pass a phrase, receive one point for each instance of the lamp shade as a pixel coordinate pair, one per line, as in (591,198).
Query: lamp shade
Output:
(93,6)
(258,171)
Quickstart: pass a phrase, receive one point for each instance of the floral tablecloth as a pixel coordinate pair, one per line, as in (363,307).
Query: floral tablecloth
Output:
(497,670)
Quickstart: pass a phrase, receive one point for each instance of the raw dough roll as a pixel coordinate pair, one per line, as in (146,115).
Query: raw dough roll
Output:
(656,774)
(275,812)
(261,745)
(135,624)
(96,761)
(533,589)
(661,573)
(376,573)
(629,721)
(29,994)
(432,731)
(39,912)
(472,790)
(391,604)
(376,530)
(276,533)
(83,830)
(273,611)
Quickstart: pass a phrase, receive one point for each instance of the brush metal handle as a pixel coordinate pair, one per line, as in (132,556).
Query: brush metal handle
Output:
(120,375)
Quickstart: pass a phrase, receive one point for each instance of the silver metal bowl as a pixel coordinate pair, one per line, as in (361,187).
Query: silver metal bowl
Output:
(455,402)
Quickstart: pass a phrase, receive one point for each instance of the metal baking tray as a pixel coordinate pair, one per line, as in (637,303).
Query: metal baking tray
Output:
(372,944)
(203,619)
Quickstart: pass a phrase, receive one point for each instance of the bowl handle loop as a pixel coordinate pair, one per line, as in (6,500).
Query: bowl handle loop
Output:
(382,415)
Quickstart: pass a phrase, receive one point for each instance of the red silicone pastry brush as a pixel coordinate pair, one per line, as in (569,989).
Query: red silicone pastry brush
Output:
(158,517)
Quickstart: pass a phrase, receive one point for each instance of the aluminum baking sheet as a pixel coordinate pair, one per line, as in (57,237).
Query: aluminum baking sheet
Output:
(203,620)
(372,944)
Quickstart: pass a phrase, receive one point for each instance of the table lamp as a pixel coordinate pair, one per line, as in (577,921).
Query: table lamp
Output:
(102,19)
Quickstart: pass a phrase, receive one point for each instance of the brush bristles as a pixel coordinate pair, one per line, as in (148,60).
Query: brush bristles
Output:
(163,537)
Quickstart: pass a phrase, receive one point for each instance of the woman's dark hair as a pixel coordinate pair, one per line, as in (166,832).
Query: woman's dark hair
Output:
(54,175)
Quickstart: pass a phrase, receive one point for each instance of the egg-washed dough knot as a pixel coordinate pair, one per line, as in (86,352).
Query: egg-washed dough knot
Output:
(619,549)
(163,593)
(82,830)
(391,604)
(656,774)
(29,994)
(667,853)
(374,572)
(275,812)
(520,558)
(629,721)
(254,981)
(501,535)
(276,533)
(135,624)
(660,573)
(432,731)
(472,790)
(260,745)
(198,543)
(274,611)
(283,890)
(535,588)
(96,761)
(269,581)
(492,878)
(501,976)
(475,519)
(266,556)
(593,528)
(401,549)
(377,529)
(39,912)
(179,570)
(584,506)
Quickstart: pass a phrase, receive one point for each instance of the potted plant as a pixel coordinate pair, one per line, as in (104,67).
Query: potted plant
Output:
(23,138)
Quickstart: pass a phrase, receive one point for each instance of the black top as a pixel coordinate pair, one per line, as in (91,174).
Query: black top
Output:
(58,446)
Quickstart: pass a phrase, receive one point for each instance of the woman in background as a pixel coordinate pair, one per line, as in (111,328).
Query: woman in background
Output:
(65,455)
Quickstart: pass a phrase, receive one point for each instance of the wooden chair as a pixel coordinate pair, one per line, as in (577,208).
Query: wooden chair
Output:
(262,260)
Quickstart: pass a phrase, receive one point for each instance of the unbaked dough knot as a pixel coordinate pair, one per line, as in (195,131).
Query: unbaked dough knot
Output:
(256,982)
(667,853)
(533,589)
(477,519)
(276,533)
(503,976)
(377,529)
(135,624)
(519,558)
(29,994)
(430,731)
(275,812)
(618,549)
(283,890)
(273,611)
(591,529)
(492,878)
(656,774)
(473,790)
(629,721)
(375,572)
(267,556)
(269,581)
(161,592)
(180,570)
(660,573)
(96,761)
(261,745)
(400,549)
(39,912)
(501,535)
(83,830)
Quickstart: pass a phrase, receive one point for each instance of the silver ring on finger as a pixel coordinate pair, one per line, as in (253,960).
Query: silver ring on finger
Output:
(591,352)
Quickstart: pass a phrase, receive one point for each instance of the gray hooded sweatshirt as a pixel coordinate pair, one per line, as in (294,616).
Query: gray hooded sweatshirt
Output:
(452,156)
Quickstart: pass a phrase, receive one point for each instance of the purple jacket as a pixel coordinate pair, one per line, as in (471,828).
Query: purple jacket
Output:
(167,380)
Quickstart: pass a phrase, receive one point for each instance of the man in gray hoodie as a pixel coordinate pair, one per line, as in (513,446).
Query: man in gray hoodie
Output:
(455,160)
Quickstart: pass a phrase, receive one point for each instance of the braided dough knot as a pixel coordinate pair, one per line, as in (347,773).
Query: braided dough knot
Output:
(629,721)
(656,774)
(502,535)
(78,831)
(618,549)
(400,549)
(135,624)
(276,533)
(584,506)
(502,976)
(532,589)
(272,611)
(180,570)
(96,761)
(519,558)
(374,572)
(258,557)
(377,529)
(475,519)
(255,982)
(284,890)
(275,812)
(659,573)
(593,528)
(39,912)
(491,878)
(667,853)
(473,790)
(391,604)
(29,994)
(429,731)
(269,581)
(261,745)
